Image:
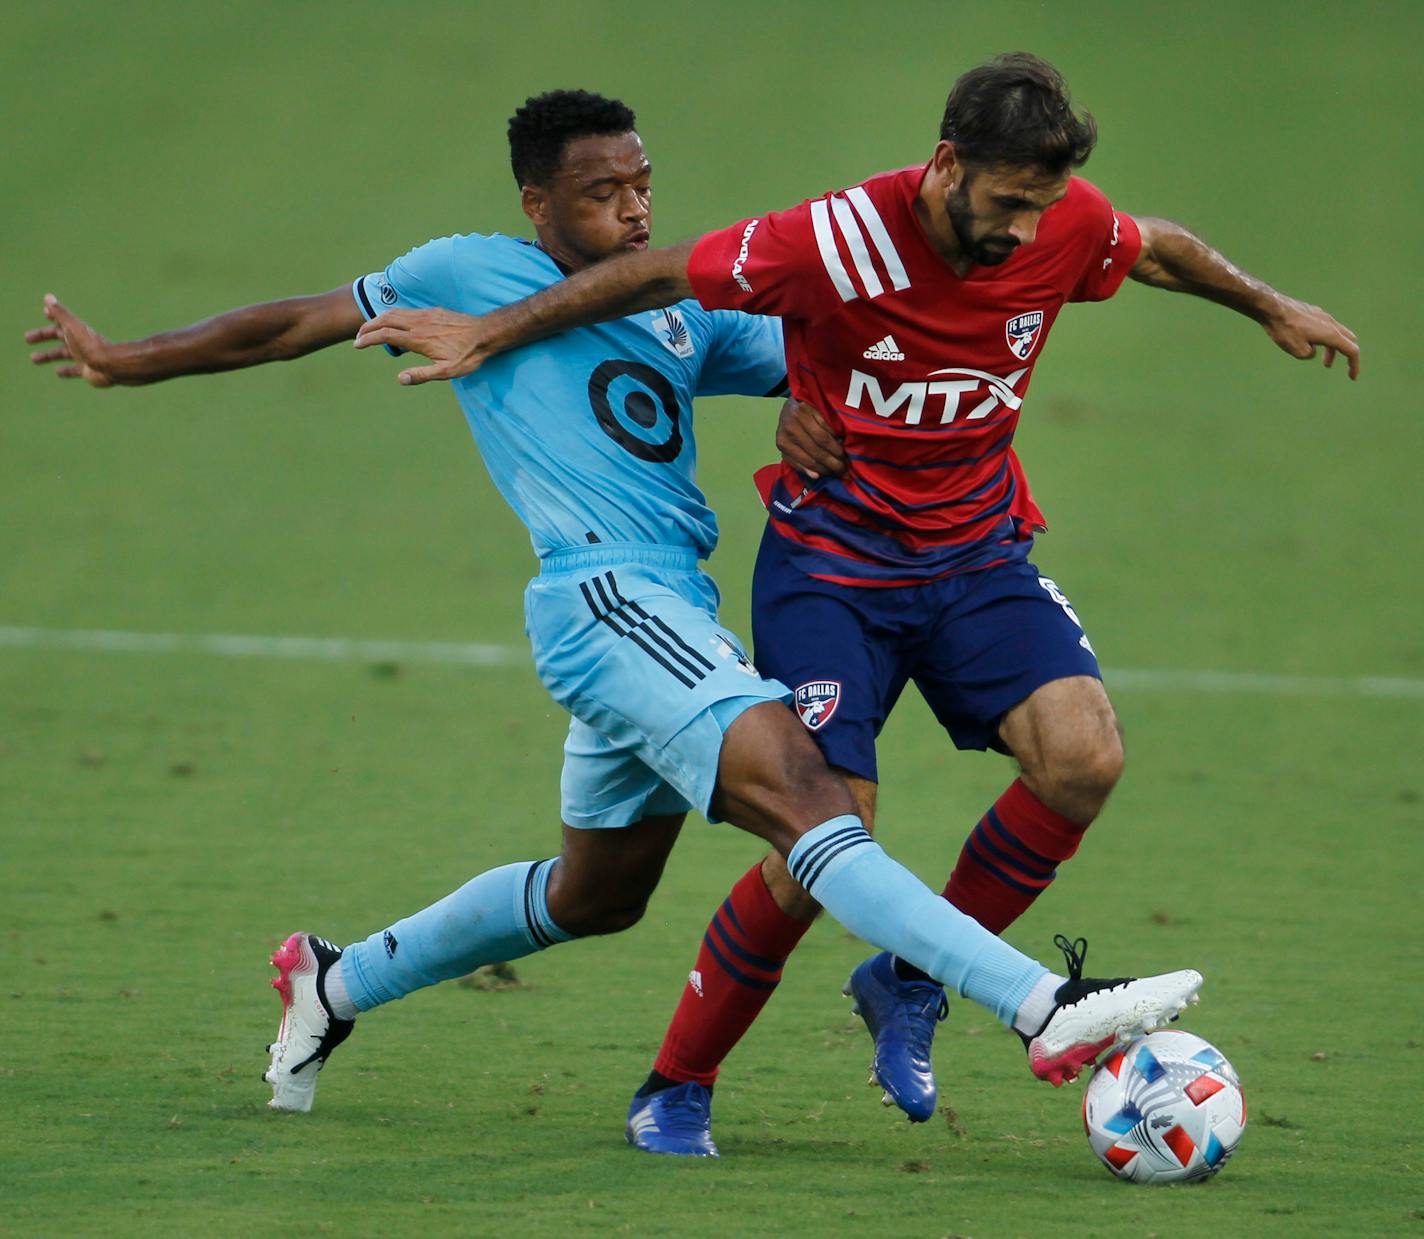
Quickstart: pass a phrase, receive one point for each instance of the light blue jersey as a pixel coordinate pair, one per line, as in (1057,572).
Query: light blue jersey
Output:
(588,435)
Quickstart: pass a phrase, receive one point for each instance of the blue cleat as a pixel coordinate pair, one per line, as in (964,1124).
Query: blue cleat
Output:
(901,1016)
(674,1120)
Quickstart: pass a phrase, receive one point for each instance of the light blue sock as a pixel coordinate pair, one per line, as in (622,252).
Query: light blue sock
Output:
(877,898)
(502,914)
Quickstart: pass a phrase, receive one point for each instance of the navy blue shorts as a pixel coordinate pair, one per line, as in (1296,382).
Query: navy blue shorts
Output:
(975,644)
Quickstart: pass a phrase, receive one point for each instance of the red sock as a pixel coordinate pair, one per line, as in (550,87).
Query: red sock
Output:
(1010,858)
(738,968)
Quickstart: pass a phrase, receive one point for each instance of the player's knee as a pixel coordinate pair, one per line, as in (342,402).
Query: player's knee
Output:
(1084,772)
(607,916)
(1101,765)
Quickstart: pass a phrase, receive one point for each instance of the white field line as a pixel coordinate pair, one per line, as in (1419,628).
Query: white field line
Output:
(311,649)
(345,650)
(1264,684)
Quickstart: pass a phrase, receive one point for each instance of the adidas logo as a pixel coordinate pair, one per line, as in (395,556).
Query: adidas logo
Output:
(884,350)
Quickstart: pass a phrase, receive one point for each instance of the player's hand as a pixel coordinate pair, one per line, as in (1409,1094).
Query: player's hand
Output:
(455,343)
(1300,329)
(807,443)
(87,354)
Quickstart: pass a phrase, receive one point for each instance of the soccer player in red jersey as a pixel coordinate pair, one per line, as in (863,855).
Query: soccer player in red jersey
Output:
(915,307)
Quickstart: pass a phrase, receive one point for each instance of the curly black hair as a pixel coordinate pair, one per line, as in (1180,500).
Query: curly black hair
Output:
(541,130)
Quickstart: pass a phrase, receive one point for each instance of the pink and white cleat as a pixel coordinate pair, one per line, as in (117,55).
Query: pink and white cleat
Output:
(309,1031)
(1090,1014)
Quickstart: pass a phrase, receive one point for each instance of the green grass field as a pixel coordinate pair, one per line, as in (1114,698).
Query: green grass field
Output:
(166,817)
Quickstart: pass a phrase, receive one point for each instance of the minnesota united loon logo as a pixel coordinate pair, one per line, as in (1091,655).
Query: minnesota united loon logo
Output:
(725,649)
(670,328)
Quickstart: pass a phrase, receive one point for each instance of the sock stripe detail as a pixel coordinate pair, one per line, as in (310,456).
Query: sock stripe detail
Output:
(831,846)
(531,921)
(812,864)
(1028,872)
(817,848)
(1047,863)
(998,871)
(740,977)
(746,956)
(541,928)
(799,867)
(845,847)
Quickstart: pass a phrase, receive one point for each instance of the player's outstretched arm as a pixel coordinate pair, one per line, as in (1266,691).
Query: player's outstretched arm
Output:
(1180,261)
(458,344)
(272,331)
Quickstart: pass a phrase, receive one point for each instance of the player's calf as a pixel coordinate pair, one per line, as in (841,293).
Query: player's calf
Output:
(603,878)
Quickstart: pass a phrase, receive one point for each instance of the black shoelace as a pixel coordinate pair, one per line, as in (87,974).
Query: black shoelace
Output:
(1074,953)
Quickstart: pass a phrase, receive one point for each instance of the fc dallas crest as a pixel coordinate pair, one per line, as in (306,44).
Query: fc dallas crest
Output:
(816,701)
(1022,333)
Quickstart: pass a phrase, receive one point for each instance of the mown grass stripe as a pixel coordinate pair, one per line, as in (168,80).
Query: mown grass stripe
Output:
(351,649)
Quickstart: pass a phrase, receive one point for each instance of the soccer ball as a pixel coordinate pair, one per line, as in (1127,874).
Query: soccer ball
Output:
(1164,1109)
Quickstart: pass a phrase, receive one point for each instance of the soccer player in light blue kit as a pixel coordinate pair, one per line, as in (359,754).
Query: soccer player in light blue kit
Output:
(588,436)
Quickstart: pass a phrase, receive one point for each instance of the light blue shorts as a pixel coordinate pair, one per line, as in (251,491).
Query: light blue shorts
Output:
(626,639)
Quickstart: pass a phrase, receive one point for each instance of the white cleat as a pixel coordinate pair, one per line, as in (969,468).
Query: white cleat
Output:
(309,1031)
(1092,1014)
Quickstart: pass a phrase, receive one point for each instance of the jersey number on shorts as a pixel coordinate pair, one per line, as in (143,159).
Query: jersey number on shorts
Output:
(1050,587)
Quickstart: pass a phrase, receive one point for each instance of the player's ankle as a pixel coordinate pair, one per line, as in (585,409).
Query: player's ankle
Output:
(656,1082)
(907,971)
(338,997)
(1034,1011)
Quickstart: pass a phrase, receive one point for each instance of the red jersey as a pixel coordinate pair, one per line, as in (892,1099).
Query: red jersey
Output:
(921,371)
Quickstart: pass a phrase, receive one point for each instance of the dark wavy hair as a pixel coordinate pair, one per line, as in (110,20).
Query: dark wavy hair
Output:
(1015,110)
(540,131)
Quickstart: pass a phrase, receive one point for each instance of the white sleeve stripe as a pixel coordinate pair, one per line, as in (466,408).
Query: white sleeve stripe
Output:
(826,243)
(855,242)
(874,225)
